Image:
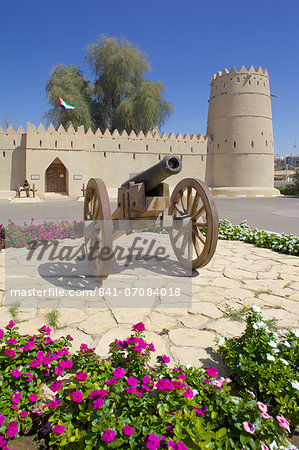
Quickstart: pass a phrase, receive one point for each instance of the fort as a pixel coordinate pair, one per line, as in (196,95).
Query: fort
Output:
(236,156)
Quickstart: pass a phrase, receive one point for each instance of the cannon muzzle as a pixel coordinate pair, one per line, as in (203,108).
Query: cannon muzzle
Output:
(152,177)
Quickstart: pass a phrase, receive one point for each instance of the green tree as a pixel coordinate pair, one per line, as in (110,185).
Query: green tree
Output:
(70,84)
(120,96)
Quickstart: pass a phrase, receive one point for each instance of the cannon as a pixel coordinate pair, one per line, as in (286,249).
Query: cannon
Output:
(146,196)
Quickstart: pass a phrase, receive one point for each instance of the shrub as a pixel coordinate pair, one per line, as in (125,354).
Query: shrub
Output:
(266,363)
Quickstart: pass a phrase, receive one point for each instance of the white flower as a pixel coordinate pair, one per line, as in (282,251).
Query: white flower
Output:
(188,366)
(235,399)
(284,361)
(273,446)
(275,350)
(272,344)
(295,385)
(286,343)
(296,332)
(221,341)
(255,308)
(270,357)
(195,391)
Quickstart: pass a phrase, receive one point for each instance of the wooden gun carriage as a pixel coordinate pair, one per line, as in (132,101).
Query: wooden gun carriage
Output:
(145,196)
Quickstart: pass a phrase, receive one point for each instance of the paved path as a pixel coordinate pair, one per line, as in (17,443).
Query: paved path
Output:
(239,275)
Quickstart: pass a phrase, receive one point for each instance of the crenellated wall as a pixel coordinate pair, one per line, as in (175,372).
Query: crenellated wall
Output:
(235,157)
(112,157)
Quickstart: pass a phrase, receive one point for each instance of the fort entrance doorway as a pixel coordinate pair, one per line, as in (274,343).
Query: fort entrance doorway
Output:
(56,177)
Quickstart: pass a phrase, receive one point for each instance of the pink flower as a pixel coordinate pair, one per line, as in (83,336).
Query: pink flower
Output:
(45,329)
(152,441)
(12,429)
(146,379)
(2,419)
(81,376)
(138,327)
(29,376)
(3,442)
(108,435)
(211,371)
(47,360)
(265,415)
(250,393)
(16,397)
(127,430)
(33,397)
(29,345)
(132,381)
(56,386)
(119,372)
(58,429)
(188,393)
(98,403)
(151,347)
(262,407)
(10,352)
(199,411)
(77,396)
(172,445)
(264,446)
(249,427)
(283,423)
(16,373)
(54,403)
(98,394)
(11,341)
(131,390)
(178,384)
(164,384)
(1,333)
(11,324)
(23,414)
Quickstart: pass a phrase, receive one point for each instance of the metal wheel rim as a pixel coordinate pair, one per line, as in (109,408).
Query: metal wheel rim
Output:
(97,208)
(202,203)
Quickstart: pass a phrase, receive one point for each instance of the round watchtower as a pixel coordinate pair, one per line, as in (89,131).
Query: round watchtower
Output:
(240,133)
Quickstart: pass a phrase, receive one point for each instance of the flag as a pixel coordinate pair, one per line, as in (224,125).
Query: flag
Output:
(65,105)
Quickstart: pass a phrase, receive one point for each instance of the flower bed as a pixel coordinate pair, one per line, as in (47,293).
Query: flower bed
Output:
(19,236)
(123,402)
(283,243)
(267,362)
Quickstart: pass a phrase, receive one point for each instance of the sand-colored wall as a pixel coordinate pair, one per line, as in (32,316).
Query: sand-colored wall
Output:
(236,156)
(240,133)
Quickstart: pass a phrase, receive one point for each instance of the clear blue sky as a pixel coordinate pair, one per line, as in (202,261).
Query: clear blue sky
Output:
(186,41)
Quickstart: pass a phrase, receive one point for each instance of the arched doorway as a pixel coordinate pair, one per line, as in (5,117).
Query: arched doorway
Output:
(56,177)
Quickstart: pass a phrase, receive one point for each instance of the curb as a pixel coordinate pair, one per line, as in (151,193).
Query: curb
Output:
(248,195)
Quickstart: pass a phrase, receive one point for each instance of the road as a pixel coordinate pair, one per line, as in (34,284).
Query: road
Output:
(279,214)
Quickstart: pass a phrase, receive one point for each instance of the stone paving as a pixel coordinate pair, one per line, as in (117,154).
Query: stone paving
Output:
(238,275)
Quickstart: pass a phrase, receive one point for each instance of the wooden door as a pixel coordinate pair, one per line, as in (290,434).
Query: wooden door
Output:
(56,177)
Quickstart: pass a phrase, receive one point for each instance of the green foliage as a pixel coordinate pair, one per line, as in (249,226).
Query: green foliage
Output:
(52,318)
(13,310)
(291,189)
(266,363)
(70,84)
(120,96)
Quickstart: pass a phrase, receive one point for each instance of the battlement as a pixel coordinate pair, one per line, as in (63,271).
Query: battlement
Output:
(233,71)
(78,140)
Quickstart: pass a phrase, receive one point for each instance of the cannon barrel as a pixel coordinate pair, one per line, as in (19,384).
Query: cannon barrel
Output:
(152,177)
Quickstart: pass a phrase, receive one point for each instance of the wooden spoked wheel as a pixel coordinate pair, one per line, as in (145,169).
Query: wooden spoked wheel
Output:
(98,233)
(194,233)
